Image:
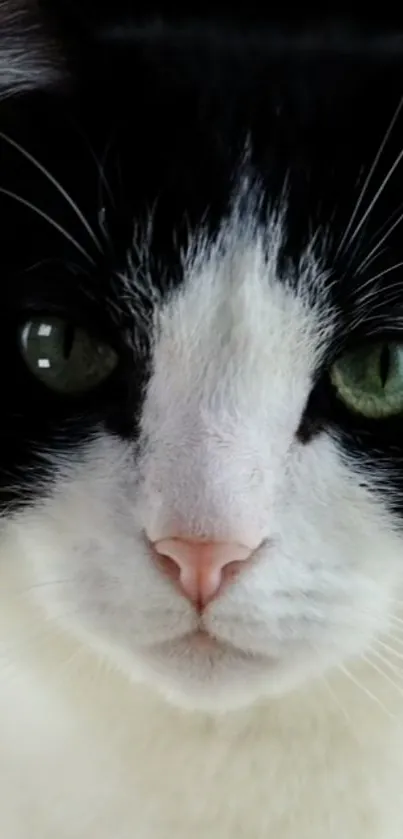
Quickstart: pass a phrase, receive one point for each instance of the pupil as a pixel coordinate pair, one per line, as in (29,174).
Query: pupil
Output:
(384,362)
(68,341)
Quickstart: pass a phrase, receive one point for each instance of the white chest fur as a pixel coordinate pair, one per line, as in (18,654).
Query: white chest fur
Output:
(85,755)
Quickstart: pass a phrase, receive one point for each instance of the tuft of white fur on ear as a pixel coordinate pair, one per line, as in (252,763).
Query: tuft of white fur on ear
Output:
(28,54)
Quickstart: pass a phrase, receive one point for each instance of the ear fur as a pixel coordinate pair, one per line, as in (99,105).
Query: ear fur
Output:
(28,52)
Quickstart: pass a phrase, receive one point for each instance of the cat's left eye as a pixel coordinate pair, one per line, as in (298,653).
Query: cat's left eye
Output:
(369,380)
(64,357)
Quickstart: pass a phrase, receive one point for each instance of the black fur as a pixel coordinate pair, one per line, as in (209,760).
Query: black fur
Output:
(153,115)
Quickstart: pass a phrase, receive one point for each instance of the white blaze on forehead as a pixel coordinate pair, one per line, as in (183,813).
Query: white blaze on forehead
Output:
(28,57)
(235,352)
(236,336)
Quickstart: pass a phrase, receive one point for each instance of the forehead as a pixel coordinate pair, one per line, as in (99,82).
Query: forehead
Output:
(160,126)
(216,175)
(238,337)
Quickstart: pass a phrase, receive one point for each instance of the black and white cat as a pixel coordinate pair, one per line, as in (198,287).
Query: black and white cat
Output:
(201,428)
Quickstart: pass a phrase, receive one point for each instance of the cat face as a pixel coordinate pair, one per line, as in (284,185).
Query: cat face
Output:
(200,339)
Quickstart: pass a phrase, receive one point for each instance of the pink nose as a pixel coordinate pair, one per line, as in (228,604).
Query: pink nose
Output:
(200,569)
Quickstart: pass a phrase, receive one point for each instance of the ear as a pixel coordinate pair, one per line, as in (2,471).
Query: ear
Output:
(29,55)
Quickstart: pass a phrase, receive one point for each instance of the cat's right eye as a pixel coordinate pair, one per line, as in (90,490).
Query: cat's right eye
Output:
(65,357)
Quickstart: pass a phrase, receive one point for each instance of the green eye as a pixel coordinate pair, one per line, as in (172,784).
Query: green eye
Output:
(369,380)
(64,357)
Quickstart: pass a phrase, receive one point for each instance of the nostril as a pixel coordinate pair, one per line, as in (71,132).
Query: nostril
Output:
(167,565)
(200,569)
(232,569)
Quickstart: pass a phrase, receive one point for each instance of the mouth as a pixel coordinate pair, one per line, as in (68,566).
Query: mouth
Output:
(201,642)
(205,672)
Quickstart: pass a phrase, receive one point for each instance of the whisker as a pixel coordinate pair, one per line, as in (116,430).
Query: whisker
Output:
(398,602)
(365,690)
(398,671)
(102,177)
(368,291)
(365,261)
(382,673)
(50,220)
(390,219)
(100,165)
(396,639)
(396,622)
(365,296)
(386,271)
(376,196)
(386,224)
(368,180)
(394,602)
(56,184)
(390,649)
(50,583)
(337,703)
(26,591)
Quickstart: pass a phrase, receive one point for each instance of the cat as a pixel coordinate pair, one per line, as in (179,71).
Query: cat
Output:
(201,456)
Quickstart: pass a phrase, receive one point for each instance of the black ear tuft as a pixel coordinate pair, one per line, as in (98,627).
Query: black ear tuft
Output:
(29,56)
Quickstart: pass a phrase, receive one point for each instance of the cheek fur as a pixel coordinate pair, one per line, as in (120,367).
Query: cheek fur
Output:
(318,595)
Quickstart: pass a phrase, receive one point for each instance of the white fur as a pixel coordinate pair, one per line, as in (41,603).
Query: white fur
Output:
(112,724)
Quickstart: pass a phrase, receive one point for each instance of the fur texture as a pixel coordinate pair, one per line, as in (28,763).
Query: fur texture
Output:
(222,207)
